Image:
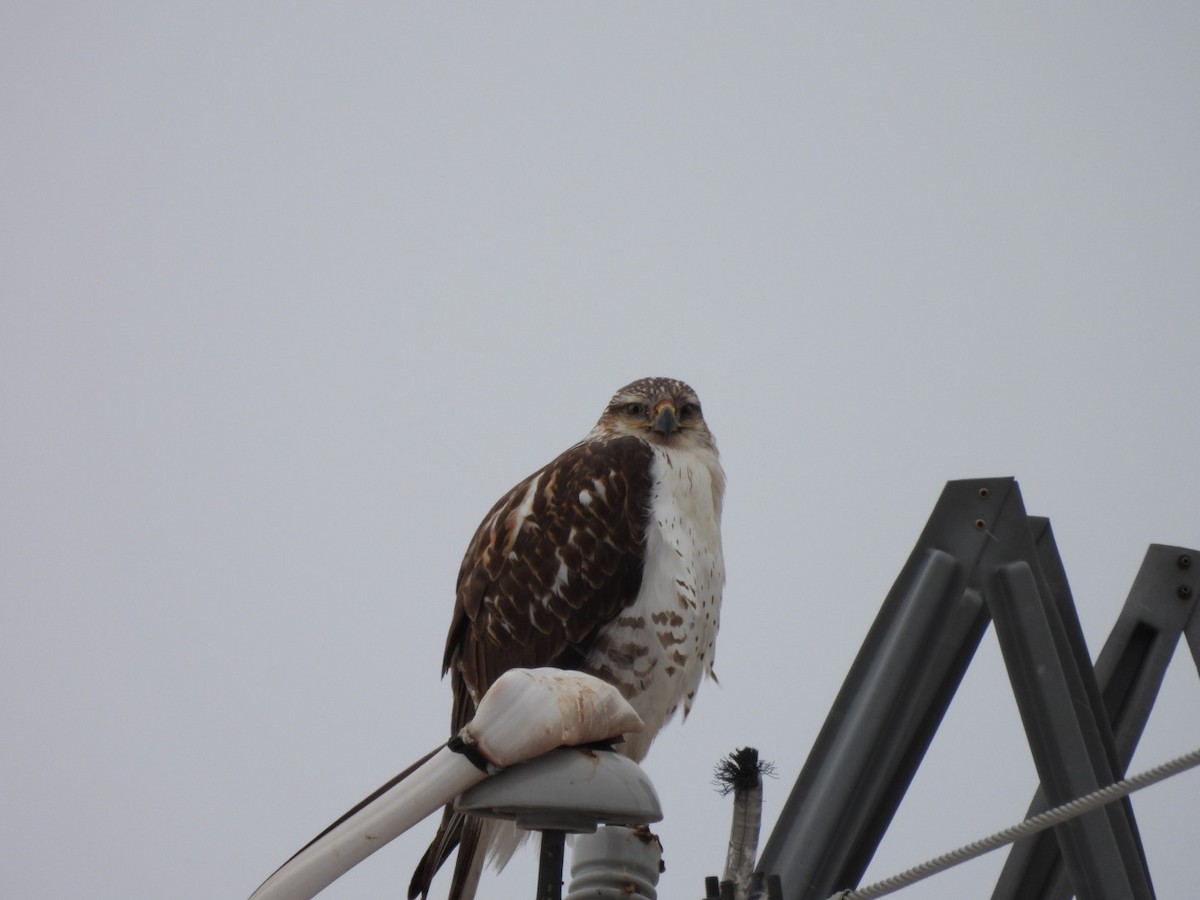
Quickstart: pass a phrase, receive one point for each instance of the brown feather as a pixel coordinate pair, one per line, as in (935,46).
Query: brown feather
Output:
(553,566)
(515,609)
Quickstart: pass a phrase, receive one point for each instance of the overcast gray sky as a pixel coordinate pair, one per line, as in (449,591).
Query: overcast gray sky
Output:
(292,292)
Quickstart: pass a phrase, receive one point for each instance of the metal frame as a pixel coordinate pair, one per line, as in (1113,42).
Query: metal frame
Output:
(980,558)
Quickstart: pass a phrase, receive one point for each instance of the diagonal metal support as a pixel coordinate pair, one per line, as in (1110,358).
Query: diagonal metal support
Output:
(980,557)
(1060,704)
(1189,588)
(1129,673)
(1065,739)
(891,703)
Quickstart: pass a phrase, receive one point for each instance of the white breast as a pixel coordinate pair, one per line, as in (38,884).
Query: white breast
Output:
(673,623)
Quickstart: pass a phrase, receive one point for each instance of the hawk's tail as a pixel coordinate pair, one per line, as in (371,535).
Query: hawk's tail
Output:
(455,830)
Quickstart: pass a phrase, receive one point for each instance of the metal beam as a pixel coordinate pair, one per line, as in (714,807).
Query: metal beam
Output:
(891,703)
(979,558)
(1129,673)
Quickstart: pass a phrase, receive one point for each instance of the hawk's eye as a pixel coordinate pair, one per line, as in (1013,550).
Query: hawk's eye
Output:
(636,409)
(688,410)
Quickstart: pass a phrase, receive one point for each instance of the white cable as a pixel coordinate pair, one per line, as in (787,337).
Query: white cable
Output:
(1030,826)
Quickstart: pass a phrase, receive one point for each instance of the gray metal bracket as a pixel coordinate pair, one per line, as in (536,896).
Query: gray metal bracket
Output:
(1129,671)
(979,558)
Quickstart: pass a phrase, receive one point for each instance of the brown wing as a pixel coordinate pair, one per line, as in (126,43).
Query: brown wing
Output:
(557,558)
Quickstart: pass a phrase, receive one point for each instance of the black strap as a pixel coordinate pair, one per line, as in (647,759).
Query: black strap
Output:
(471,752)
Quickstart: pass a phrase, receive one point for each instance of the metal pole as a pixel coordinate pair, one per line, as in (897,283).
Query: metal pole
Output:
(550,865)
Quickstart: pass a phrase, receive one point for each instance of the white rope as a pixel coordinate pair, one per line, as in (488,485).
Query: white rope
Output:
(1030,826)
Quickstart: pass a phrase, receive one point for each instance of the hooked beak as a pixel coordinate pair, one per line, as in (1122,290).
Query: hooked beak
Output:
(665,421)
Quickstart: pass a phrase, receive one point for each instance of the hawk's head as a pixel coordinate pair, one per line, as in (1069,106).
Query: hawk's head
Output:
(659,411)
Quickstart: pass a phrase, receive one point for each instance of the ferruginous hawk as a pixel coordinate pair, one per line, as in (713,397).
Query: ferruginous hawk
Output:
(607,560)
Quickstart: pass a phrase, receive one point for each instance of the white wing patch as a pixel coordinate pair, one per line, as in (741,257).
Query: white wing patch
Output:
(518,517)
